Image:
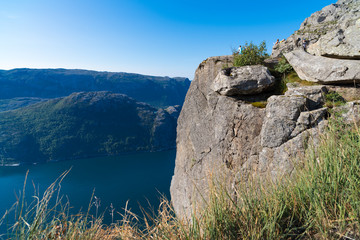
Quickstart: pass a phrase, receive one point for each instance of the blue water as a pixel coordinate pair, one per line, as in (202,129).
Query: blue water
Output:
(139,178)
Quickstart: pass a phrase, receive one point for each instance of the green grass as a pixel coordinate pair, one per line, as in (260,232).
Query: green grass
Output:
(291,77)
(334,99)
(321,201)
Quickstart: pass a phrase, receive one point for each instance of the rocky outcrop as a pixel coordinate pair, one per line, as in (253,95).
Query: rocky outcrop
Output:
(223,138)
(334,32)
(226,137)
(245,80)
(322,69)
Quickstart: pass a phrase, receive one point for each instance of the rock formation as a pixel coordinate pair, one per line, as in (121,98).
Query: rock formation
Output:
(245,80)
(322,69)
(226,137)
(223,137)
(333,32)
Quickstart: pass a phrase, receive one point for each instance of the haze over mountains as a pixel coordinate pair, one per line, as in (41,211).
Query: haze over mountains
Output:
(56,114)
(51,83)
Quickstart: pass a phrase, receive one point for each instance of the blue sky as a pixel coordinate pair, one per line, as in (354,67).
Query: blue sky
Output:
(160,37)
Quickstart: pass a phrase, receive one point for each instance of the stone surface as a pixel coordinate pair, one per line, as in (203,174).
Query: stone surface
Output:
(334,31)
(245,80)
(309,119)
(226,139)
(281,115)
(351,112)
(324,70)
(315,94)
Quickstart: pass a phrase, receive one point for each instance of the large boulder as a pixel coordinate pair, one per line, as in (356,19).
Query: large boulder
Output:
(245,80)
(322,69)
(334,31)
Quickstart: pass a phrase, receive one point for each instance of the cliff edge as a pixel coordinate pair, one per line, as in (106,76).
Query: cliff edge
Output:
(224,136)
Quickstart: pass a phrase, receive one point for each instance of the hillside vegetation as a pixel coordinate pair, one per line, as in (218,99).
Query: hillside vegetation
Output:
(83,125)
(52,83)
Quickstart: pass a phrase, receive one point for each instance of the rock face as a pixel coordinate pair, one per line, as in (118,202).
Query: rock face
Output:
(226,137)
(322,69)
(334,32)
(245,80)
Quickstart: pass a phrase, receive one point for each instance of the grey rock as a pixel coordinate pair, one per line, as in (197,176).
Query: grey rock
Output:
(308,120)
(351,112)
(323,70)
(215,135)
(243,80)
(281,115)
(334,31)
(315,94)
(227,140)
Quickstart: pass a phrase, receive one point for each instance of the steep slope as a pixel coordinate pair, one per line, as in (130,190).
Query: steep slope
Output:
(82,125)
(51,83)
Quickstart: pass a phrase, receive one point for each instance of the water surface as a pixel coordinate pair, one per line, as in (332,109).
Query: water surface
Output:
(139,178)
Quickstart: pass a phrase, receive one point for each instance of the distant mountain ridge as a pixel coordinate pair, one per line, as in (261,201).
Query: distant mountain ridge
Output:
(52,83)
(84,124)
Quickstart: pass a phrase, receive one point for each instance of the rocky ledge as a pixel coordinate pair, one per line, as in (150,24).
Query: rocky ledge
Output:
(322,69)
(333,31)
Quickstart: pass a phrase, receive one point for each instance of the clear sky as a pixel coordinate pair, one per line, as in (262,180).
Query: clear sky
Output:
(155,37)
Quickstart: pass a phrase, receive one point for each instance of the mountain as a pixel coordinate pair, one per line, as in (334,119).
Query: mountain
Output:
(52,83)
(84,124)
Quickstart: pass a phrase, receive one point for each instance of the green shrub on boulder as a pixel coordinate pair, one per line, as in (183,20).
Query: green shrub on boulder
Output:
(251,54)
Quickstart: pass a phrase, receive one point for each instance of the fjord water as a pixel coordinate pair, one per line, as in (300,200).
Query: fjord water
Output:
(139,178)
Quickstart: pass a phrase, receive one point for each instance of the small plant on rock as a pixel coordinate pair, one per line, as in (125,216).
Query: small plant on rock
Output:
(334,99)
(251,55)
(283,67)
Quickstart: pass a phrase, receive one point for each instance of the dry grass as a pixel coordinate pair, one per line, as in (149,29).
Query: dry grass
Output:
(321,202)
